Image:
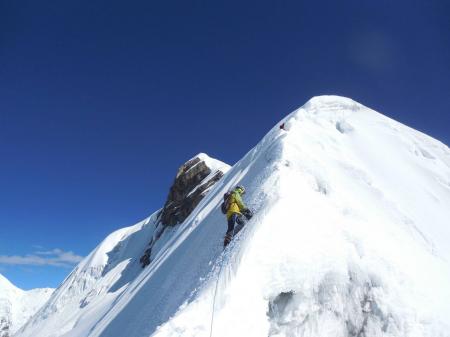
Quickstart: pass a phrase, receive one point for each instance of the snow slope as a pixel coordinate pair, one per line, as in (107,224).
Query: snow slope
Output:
(17,305)
(350,238)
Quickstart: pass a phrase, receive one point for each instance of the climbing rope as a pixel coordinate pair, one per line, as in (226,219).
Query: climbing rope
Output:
(214,299)
(217,286)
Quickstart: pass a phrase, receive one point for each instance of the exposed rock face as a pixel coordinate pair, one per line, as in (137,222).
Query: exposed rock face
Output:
(186,191)
(192,182)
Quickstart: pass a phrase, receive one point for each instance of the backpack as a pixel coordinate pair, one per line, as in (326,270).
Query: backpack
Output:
(225,204)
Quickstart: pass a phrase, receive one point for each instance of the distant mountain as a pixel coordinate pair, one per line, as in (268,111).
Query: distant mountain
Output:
(17,305)
(350,238)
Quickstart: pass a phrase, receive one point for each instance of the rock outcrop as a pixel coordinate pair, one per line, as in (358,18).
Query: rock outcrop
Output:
(193,181)
(188,190)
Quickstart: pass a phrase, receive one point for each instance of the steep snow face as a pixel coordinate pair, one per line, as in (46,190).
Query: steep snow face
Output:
(350,238)
(17,305)
(94,286)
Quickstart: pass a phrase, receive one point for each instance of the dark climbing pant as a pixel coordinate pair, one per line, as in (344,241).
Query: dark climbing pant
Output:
(235,224)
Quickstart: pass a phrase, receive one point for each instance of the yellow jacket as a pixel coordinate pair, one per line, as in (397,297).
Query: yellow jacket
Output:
(235,204)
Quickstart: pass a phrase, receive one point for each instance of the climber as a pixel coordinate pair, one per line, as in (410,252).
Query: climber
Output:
(235,209)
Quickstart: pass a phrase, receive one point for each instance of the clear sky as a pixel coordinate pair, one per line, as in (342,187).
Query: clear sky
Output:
(101,101)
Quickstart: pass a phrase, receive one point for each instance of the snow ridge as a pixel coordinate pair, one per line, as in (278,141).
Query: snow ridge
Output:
(349,238)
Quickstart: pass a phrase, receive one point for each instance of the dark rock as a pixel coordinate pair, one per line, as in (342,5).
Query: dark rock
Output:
(182,198)
(188,189)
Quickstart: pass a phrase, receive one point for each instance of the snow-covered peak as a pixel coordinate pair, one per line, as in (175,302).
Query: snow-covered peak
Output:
(5,284)
(331,108)
(408,167)
(17,305)
(331,101)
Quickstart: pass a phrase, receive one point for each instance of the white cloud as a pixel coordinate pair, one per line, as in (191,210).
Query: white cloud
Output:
(55,257)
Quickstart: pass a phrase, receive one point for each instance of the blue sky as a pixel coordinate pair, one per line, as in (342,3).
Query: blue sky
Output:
(101,101)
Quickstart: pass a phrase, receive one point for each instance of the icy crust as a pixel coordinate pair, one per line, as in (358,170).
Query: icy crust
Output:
(349,238)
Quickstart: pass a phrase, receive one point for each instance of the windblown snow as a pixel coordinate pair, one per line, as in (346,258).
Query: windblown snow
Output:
(350,238)
(17,305)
